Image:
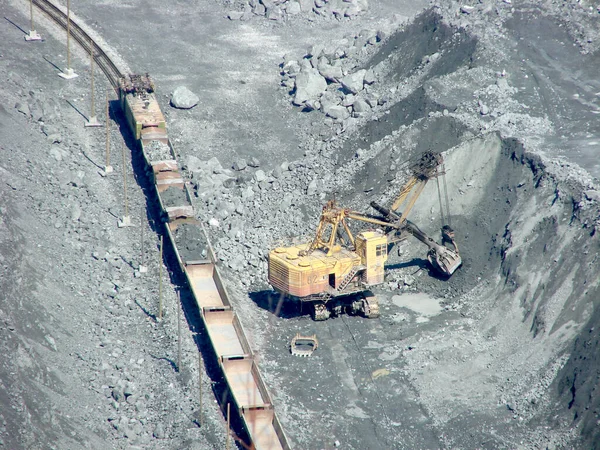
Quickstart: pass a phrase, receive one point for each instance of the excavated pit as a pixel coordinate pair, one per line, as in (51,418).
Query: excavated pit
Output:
(505,343)
(526,287)
(504,354)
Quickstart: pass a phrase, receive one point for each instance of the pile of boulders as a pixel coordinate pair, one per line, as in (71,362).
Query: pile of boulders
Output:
(246,207)
(279,10)
(327,78)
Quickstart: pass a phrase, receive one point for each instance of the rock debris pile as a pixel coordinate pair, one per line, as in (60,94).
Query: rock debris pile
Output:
(173,197)
(245,206)
(282,10)
(329,78)
(191,242)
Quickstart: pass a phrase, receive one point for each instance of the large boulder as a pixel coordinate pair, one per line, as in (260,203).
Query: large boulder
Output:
(238,165)
(369,77)
(192,163)
(331,73)
(274,13)
(361,106)
(309,85)
(293,8)
(306,5)
(337,112)
(183,98)
(354,82)
(315,51)
(352,10)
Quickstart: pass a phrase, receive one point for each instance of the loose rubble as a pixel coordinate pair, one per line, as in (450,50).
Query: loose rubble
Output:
(285,10)
(328,78)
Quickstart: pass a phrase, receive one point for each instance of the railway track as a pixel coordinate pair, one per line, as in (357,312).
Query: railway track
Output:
(109,68)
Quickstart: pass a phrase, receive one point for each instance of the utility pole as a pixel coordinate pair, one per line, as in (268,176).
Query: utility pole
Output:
(179,331)
(201,418)
(93,120)
(107,167)
(126,220)
(143,268)
(33,35)
(228,427)
(160,264)
(68,72)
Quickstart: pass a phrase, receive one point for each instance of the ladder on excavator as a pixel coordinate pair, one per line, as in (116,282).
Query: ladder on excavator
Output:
(349,276)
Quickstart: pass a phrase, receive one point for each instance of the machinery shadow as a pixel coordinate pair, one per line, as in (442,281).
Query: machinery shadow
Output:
(279,305)
(418,263)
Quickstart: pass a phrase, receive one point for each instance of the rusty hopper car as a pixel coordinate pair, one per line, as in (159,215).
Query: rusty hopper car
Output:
(196,259)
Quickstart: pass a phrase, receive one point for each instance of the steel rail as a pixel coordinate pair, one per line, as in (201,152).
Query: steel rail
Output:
(109,68)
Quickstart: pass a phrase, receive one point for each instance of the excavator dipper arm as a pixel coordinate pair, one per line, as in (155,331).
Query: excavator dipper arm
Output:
(441,258)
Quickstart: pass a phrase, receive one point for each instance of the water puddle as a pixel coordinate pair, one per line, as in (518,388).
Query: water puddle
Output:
(420,303)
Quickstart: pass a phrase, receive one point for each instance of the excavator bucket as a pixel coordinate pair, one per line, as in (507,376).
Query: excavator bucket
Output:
(444,260)
(303,345)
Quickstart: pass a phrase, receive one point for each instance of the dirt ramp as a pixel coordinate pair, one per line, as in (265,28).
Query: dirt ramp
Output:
(577,383)
(426,40)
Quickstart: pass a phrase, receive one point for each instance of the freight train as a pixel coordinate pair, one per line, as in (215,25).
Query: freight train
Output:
(197,261)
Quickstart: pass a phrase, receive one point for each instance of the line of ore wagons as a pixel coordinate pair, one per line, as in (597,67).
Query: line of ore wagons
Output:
(197,261)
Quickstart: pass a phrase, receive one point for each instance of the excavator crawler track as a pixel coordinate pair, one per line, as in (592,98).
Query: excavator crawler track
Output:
(320,312)
(370,308)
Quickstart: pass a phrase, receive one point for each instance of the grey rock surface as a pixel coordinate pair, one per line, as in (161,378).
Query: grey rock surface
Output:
(354,82)
(530,336)
(309,86)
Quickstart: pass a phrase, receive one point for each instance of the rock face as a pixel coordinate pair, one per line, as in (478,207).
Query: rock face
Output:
(309,86)
(183,98)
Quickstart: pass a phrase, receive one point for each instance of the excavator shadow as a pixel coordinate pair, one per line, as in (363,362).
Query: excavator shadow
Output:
(278,304)
(419,264)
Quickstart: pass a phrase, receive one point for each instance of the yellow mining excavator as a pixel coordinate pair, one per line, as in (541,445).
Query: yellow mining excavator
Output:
(334,271)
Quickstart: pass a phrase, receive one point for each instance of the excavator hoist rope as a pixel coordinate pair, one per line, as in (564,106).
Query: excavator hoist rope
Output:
(446,193)
(439,191)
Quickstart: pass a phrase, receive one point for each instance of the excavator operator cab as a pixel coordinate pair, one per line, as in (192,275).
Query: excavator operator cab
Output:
(371,246)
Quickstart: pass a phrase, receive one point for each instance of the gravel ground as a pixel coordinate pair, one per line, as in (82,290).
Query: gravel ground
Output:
(296,107)
(84,365)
